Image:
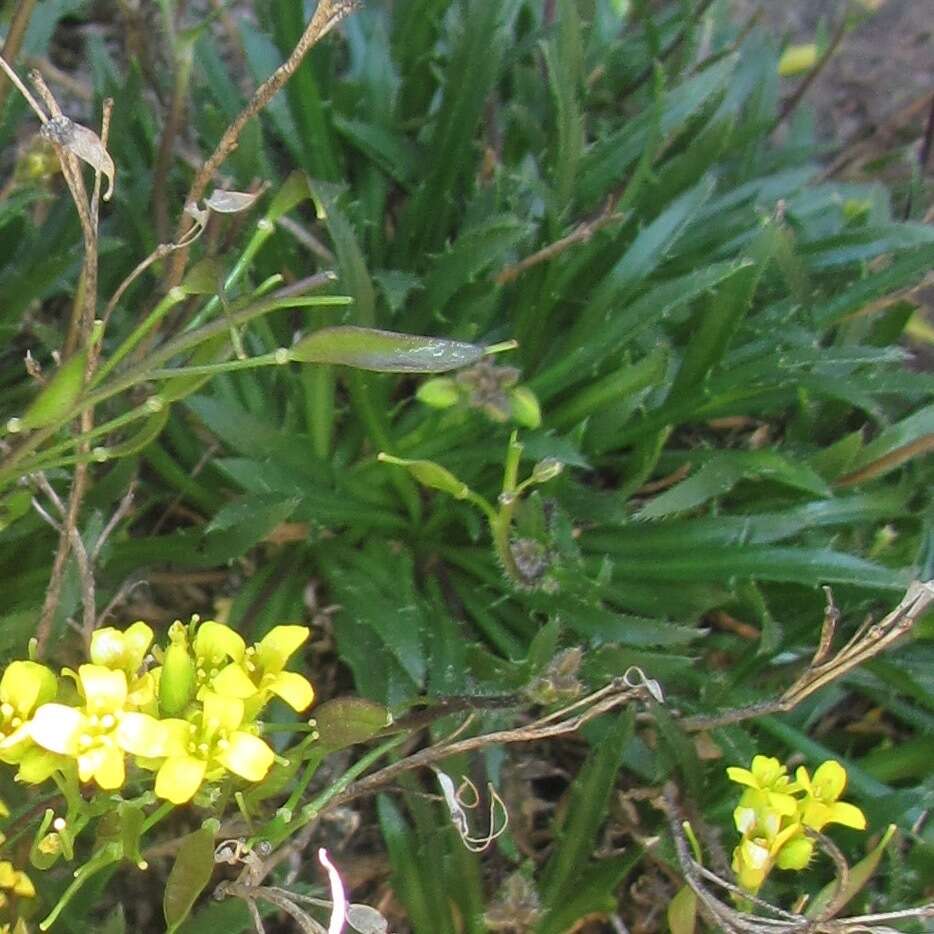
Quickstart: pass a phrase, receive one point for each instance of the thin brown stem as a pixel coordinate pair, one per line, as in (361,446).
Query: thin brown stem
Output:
(866,644)
(14,41)
(327,15)
(582,233)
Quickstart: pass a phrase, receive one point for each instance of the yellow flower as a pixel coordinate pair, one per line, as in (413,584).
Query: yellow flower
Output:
(99,734)
(758,852)
(266,660)
(16,881)
(124,651)
(820,805)
(768,788)
(24,687)
(219,652)
(207,749)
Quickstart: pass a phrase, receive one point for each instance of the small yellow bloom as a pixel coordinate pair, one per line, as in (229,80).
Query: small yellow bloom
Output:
(768,787)
(99,734)
(219,652)
(761,849)
(796,59)
(16,881)
(24,687)
(206,750)
(266,660)
(820,805)
(124,651)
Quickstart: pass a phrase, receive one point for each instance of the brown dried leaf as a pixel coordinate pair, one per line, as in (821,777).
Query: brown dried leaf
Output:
(230,202)
(85,144)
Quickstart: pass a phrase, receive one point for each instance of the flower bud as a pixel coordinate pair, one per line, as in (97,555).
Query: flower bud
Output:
(439,393)
(177,681)
(525,408)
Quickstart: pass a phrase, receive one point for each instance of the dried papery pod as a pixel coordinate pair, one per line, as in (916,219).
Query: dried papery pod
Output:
(231,202)
(84,143)
(366,920)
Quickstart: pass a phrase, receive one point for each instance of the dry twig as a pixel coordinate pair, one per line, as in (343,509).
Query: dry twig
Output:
(868,642)
(327,15)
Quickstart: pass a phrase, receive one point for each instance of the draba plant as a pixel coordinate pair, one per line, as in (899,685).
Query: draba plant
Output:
(520,373)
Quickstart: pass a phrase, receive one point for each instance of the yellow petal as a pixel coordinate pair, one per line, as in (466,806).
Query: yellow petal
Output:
(215,642)
(107,767)
(767,770)
(815,814)
(803,778)
(23,886)
(742,776)
(104,690)
(38,764)
(115,649)
(56,727)
(847,814)
(221,713)
(247,756)
(796,854)
(142,735)
(744,819)
(7,875)
(139,638)
(233,681)
(179,778)
(27,685)
(829,781)
(783,804)
(797,58)
(275,648)
(293,688)
(176,734)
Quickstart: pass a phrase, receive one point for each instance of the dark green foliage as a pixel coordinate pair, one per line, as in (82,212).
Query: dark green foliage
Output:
(713,322)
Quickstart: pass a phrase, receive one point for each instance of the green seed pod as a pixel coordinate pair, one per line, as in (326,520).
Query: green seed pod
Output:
(430,474)
(58,396)
(177,681)
(525,408)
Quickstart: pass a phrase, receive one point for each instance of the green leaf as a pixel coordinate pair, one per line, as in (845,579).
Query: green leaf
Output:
(682,911)
(587,811)
(58,396)
(346,721)
(810,566)
(259,511)
(384,351)
(608,159)
(190,874)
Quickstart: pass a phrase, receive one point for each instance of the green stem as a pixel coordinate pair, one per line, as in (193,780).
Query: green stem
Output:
(141,372)
(264,230)
(160,812)
(105,856)
(276,831)
(209,369)
(170,300)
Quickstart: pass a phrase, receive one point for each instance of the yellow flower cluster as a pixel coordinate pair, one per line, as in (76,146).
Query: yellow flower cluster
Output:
(191,718)
(775,810)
